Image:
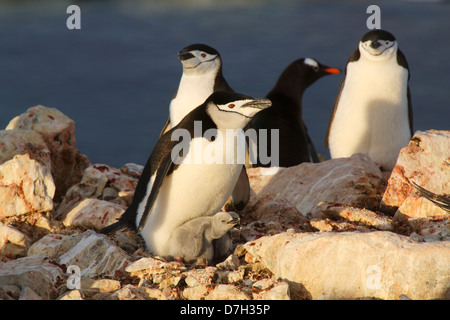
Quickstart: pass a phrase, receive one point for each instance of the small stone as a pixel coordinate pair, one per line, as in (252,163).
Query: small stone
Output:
(71,295)
(197,277)
(109,194)
(170,282)
(9,292)
(279,291)
(28,294)
(13,243)
(99,285)
(232,263)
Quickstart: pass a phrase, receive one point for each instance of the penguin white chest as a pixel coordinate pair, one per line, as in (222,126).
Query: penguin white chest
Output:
(372,113)
(192,190)
(192,92)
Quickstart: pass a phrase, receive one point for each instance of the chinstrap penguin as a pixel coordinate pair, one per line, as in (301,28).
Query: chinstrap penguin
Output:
(193,240)
(295,145)
(173,189)
(202,75)
(373,112)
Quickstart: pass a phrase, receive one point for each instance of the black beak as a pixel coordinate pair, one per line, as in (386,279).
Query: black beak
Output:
(185,55)
(375,44)
(235,223)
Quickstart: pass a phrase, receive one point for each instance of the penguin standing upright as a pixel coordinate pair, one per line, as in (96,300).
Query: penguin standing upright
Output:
(175,186)
(202,75)
(295,145)
(373,112)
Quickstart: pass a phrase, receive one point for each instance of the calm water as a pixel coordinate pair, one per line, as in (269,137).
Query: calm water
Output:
(115,77)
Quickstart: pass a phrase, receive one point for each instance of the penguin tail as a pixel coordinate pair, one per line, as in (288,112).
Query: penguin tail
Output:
(116,226)
(126,221)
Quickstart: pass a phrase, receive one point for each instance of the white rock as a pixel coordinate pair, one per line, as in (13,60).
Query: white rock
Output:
(298,190)
(25,186)
(351,265)
(13,243)
(58,132)
(95,255)
(37,273)
(93,214)
(279,291)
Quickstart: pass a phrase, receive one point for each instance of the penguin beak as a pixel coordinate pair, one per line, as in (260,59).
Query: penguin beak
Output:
(185,55)
(258,104)
(235,223)
(330,70)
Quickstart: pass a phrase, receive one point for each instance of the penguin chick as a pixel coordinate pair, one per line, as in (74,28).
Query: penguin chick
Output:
(373,112)
(295,145)
(173,187)
(194,239)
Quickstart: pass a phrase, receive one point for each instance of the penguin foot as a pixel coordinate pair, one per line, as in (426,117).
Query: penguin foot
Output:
(178,259)
(200,263)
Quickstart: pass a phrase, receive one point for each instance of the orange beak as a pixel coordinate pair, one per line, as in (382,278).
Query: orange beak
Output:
(332,70)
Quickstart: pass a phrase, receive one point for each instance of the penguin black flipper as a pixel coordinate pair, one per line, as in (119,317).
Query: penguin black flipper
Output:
(158,165)
(401,60)
(161,173)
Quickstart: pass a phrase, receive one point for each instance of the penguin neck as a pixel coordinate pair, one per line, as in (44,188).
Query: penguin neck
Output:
(211,233)
(192,91)
(288,91)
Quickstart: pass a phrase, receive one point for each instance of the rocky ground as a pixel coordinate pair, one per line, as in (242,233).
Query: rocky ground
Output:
(340,229)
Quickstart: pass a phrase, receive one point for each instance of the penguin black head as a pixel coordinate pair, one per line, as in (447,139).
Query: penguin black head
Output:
(199,58)
(378,45)
(298,76)
(311,70)
(231,110)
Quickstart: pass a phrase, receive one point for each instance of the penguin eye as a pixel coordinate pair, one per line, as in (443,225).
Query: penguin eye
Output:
(316,68)
(231,106)
(203,55)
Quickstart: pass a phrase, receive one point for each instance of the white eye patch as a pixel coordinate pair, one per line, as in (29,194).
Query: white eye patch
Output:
(311,62)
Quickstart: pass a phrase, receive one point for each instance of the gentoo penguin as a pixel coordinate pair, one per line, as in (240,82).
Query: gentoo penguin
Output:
(373,113)
(441,201)
(173,188)
(194,239)
(295,145)
(202,75)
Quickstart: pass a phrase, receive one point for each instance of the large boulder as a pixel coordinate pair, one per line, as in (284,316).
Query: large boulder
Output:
(297,191)
(58,132)
(351,265)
